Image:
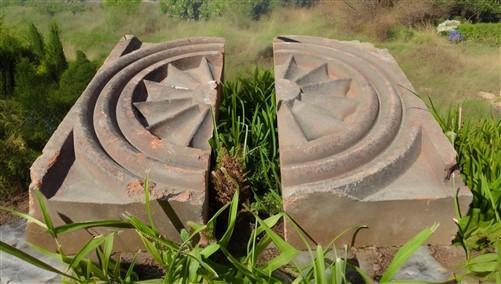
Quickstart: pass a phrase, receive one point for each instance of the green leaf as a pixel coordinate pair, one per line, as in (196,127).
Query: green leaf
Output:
(287,251)
(92,244)
(130,270)
(484,263)
(364,275)
(67,228)
(184,235)
(231,219)
(319,266)
(150,281)
(152,249)
(107,250)
(147,202)
(45,213)
(30,259)
(210,250)
(406,251)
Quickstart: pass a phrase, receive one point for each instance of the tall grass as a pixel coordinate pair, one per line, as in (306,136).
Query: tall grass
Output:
(478,144)
(191,261)
(247,130)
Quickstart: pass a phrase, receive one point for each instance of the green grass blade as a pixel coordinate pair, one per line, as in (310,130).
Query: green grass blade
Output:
(45,213)
(147,202)
(107,250)
(86,249)
(287,251)
(363,274)
(130,270)
(406,251)
(319,266)
(68,228)
(30,259)
(210,250)
(150,281)
(231,219)
(152,249)
(484,263)
(485,188)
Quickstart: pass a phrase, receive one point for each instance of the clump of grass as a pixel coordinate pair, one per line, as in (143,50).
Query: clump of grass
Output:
(478,144)
(247,133)
(191,261)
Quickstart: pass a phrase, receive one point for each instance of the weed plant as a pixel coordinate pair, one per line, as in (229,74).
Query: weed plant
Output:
(191,262)
(247,130)
(478,144)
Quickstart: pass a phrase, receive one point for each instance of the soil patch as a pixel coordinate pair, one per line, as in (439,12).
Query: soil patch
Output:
(17,201)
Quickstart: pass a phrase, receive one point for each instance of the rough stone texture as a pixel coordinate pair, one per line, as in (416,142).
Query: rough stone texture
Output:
(148,108)
(428,263)
(422,266)
(357,147)
(14,270)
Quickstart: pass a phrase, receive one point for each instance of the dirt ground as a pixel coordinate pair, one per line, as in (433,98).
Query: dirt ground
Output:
(18,201)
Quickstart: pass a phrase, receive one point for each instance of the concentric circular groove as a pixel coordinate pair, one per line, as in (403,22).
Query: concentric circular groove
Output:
(111,154)
(346,126)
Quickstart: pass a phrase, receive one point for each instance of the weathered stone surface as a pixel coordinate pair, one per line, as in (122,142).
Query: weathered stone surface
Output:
(422,266)
(148,108)
(14,270)
(357,147)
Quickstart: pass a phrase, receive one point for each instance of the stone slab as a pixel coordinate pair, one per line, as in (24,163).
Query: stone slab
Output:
(147,111)
(358,147)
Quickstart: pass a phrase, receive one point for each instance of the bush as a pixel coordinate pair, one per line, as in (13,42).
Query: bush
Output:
(15,156)
(205,9)
(37,87)
(478,10)
(484,32)
(192,9)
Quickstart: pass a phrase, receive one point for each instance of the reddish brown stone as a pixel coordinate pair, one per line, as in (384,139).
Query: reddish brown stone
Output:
(358,147)
(148,108)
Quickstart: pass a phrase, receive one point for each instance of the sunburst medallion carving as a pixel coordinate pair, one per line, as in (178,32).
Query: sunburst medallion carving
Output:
(178,108)
(311,103)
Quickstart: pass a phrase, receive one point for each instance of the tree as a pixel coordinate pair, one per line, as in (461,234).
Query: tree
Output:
(36,41)
(54,55)
(15,155)
(10,51)
(72,84)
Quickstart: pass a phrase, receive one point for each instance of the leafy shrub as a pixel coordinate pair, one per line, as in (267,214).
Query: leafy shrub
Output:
(192,9)
(477,10)
(247,131)
(205,9)
(72,83)
(478,144)
(15,156)
(37,87)
(483,32)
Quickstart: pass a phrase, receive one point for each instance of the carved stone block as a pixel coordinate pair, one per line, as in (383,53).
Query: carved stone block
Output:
(358,147)
(148,108)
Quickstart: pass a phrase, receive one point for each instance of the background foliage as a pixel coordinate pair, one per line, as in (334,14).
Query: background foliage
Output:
(37,88)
